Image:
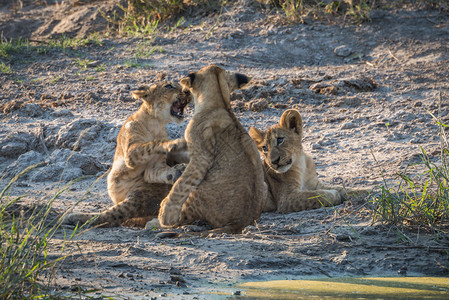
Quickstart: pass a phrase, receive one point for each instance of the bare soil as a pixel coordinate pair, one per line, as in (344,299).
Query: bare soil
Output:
(366,93)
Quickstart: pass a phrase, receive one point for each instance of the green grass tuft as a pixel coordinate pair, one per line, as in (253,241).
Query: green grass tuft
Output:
(24,237)
(4,68)
(298,10)
(419,200)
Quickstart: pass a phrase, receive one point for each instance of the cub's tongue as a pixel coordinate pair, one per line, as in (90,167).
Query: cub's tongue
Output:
(175,107)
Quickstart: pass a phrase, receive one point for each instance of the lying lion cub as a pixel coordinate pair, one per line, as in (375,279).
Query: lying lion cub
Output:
(223,183)
(293,183)
(140,177)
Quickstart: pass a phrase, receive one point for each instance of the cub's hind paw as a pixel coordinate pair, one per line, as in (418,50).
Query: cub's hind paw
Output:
(176,172)
(169,214)
(76,219)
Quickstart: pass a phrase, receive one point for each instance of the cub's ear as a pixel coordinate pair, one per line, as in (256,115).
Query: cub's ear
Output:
(242,80)
(141,92)
(187,82)
(291,119)
(257,135)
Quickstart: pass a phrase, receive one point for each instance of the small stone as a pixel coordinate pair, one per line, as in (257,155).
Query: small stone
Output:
(237,293)
(174,271)
(343,237)
(348,125)
(166,234)
(343,51)
(403,271)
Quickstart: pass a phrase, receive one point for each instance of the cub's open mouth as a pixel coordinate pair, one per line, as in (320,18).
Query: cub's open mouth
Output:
(177,108)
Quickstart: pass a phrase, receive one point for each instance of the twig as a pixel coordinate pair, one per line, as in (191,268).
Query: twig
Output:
(41,138)
(389,51)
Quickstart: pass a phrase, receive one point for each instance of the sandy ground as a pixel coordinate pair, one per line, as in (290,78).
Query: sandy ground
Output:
(365,92)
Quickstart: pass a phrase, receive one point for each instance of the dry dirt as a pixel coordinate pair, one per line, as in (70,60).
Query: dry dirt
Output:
(365,91)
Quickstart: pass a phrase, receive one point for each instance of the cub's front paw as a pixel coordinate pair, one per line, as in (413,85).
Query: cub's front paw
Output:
(176,172)
(168,214)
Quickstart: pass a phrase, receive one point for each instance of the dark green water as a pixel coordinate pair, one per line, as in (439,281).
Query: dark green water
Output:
(350,288)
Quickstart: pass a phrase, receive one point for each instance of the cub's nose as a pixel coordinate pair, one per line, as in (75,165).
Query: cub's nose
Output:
(276,161)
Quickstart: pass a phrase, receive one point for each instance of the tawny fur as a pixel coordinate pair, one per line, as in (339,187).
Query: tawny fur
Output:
(223,182)
(293,184)
(141,177)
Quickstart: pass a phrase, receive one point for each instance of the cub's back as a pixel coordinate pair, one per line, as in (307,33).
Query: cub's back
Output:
(235,179)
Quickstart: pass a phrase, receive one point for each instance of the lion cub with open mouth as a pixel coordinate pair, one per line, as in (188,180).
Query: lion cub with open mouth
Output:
(144,167)
(293,184)
(223,183)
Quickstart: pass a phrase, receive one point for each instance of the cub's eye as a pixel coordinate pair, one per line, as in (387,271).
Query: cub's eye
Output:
(279,140)
(265,149)
(169,86)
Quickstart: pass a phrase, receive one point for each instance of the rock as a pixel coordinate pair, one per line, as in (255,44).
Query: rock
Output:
(343,51)
(16,144)
(25,160)
(78,134)
(55,172)
(31,110)
(86,163)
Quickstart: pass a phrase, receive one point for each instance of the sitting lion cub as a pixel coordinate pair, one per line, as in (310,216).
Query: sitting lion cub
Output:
(140,177)
(293,183)
(223,183)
